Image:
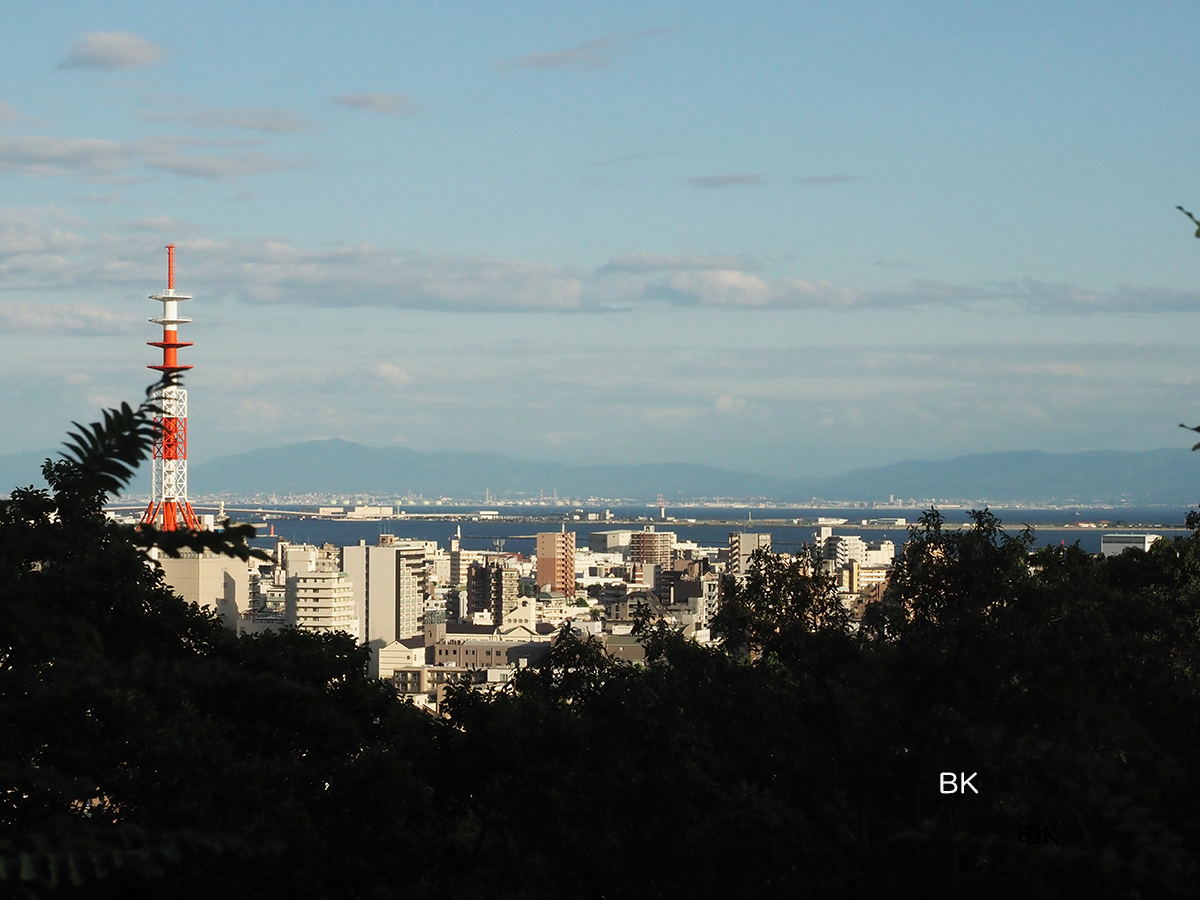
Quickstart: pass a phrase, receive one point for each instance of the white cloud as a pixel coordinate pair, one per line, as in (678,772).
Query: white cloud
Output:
(1043,296)
(10,115)
(95,159)
(391,373)
(732,287)
(926,292)
(111,199)
(158,223)
(266,119)
(730,405)
(36,242)
(113,51)
(1056,368)
(658,262)
(273,271)
(221,166)
(34,155)
(47,248)
(721,181)
(76,318)
(34,252)
(388,104)
(597,53)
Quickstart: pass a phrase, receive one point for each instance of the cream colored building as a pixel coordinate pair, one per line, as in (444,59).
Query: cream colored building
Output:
(742,547)
(555,613)
(322,601)
(854,578)
(387,591)
(219,583)
(840,549)
(399,655)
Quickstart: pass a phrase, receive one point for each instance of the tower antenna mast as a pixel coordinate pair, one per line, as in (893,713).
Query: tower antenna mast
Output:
(169,508)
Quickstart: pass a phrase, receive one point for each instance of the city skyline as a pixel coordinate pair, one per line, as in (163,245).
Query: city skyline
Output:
(791,242)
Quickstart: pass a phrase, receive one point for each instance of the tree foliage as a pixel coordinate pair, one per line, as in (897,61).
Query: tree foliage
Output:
(146,750)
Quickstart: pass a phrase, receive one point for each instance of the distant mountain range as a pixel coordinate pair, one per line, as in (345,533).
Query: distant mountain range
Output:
(336,466)
(1170,476)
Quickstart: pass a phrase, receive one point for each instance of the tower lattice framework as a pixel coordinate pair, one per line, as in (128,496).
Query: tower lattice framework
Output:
(169,508)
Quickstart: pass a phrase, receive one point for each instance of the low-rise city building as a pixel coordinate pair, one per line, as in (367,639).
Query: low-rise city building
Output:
(1116,544)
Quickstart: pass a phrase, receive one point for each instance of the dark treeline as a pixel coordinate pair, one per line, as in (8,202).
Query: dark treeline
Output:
(145,751)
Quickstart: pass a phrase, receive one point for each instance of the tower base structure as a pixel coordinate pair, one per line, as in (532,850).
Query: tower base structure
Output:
(169,508)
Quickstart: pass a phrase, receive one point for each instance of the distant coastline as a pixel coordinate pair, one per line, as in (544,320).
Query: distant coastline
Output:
(342,473)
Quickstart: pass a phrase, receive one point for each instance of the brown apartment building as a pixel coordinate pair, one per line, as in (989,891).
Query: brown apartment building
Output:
(556,561)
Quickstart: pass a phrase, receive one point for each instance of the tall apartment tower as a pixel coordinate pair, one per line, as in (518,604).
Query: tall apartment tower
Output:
(650,546)
(556,561)
(742,547)
(491,588)
(418,556)
(387,592)
(460,559)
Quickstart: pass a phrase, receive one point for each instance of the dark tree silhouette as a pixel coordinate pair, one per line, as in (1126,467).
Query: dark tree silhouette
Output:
(144,750)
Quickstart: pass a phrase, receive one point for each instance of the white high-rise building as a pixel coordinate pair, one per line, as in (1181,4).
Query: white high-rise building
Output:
(319,597)
(322,601)
(742,547)
(881,554)
(841,549)
(388,592)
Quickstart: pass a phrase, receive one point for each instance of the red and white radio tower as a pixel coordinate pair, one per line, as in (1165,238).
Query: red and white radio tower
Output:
(169,508)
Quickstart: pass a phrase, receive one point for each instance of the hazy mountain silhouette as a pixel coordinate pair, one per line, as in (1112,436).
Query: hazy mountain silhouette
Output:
(1170,476)
(1094,476)
(22,470)
(337,466)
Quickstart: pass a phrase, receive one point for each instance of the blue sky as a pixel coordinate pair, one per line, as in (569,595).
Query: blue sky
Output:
(782,237)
